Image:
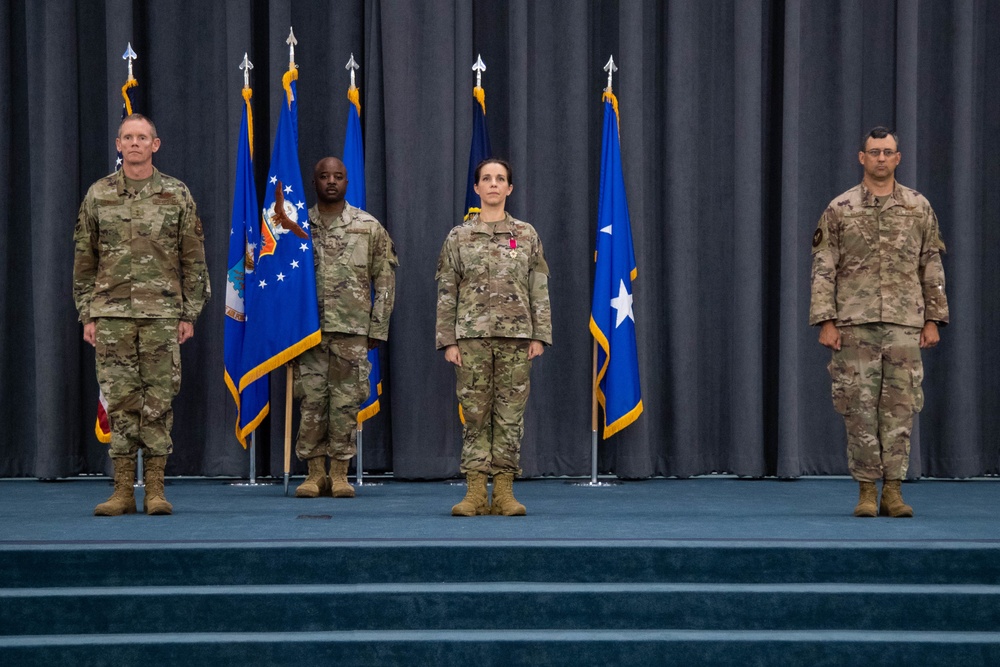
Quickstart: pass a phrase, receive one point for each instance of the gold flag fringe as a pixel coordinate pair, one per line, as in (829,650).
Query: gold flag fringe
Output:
(131,83)
(286,82)
(247,94)
(354,97)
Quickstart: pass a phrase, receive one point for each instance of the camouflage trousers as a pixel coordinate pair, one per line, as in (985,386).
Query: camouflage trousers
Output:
(876,376)
(332,381)
(139,371)
(493,384)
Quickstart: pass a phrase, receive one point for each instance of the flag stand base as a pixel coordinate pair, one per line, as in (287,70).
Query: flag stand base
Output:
(595,483)
(252,480)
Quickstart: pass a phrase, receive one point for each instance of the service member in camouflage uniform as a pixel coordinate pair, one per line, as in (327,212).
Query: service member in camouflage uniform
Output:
(492,319)
(878,296)
(139,281)
(356,287)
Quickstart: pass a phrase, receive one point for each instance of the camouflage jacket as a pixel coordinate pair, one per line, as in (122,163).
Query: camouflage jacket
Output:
(139,256)
(492,282)
(872,265)
(353,254)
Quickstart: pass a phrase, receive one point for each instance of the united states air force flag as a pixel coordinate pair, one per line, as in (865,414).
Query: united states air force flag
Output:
(612,322)
(354,162)
(282,312)
(252,402)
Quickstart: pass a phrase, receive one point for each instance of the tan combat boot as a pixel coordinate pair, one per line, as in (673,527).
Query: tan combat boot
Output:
(867,500)
(476,501)
(338,479)
(122,501)
(155,502)
(504,501)
(317,482)
(892,500)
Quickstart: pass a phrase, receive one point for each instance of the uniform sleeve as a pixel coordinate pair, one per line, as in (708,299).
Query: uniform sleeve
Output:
(825,255)
(195,286)
(931,272)
(384,263)
(538,293)
(447,277)
(86,237)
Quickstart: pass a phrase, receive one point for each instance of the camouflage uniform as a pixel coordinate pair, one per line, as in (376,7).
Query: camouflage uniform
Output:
(877,274)
(493,299)
(139,269)
(354,258)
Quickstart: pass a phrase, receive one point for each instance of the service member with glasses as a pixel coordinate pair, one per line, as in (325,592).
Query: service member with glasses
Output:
(878,297)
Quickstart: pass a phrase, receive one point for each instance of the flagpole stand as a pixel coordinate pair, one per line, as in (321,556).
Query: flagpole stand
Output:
(253,466)
(593,481)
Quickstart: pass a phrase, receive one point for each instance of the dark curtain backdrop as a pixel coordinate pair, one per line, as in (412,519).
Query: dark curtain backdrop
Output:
(740,121)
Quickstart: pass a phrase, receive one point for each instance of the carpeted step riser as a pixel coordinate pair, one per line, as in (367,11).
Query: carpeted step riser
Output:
(513,609)
(512,653)
(66,567)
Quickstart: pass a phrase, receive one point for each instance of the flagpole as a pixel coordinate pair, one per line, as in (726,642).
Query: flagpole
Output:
(593,418)
(359,441)
(140,479)
(602,227)
(288,424)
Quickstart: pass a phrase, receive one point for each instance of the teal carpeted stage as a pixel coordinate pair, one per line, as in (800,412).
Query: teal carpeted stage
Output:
(698,571)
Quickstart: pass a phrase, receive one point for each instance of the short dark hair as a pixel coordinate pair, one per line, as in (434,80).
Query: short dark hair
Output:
(137,116)
(495,160)
(878,132)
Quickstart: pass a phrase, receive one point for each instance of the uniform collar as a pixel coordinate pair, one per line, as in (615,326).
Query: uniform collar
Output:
(504,226)
(155,185)
(869,199)
(346,216)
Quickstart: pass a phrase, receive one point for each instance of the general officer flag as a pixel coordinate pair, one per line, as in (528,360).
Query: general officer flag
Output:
(354,162)
(612,322)
(478,151)
(282,311)
(252,403)
(102,425)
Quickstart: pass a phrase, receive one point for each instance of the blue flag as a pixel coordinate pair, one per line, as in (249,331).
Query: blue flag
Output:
(611,318)
(479,150)
(354,162)
(282,311)
(252,402)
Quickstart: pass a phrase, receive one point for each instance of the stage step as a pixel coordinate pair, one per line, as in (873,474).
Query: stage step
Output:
(400,561)
(498,606)
(486,648)
(529,603)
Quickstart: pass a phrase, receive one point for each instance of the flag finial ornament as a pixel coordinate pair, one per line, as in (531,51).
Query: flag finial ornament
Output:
(129,55)
(292,74)
(479,67)
(291,41)
(610,68)
(130,81)
(246,66)
(350,67)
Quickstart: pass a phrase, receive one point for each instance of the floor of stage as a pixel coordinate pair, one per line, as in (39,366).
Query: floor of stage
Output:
(710,510)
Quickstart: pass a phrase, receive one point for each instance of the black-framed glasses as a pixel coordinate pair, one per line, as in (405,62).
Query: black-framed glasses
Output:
(875,152)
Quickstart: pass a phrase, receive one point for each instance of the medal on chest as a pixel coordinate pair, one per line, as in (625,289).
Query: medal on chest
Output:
(513,247)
